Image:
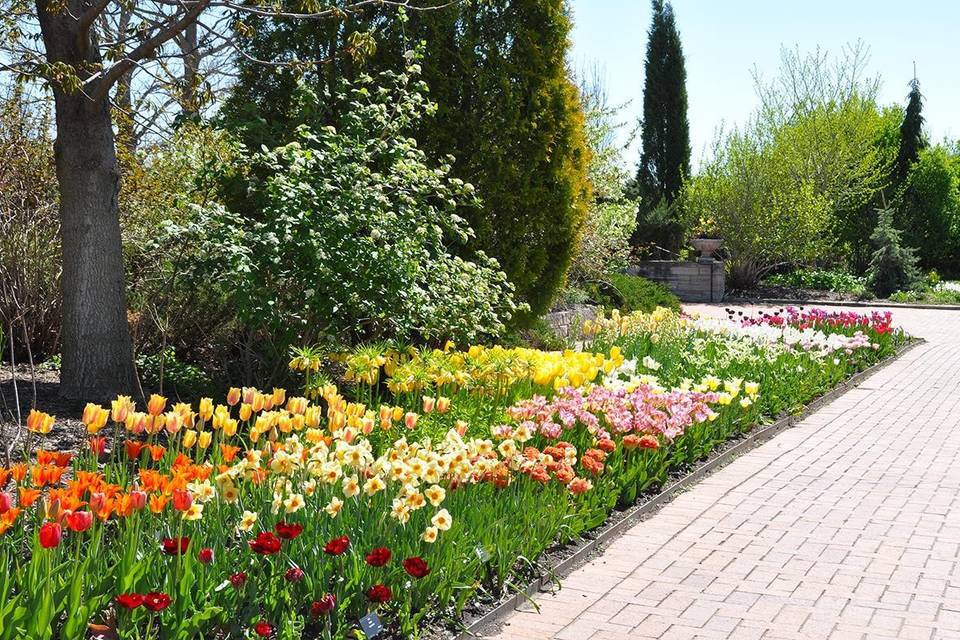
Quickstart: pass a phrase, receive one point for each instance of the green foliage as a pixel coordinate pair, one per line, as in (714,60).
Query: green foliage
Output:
(937,295)
(893,266)
(29,228)
(634,293)
(665,131)
(604,244)
(928,208)
(820,280)
(794,185)
(750,195)
(348,234)
(507,112)
(164,372)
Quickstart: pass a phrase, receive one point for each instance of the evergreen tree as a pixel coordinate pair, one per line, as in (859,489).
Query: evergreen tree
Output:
(912,139)
(665,131)
(507,113)
(893,266)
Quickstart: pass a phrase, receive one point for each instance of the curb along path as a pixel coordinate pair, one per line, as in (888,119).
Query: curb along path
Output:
(846,526)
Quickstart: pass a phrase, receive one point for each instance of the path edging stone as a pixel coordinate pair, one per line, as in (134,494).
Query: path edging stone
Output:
(634,514)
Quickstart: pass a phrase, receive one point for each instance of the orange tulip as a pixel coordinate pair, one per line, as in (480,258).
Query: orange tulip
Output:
(28,496)
(156,405)
(18,471)
(157,451)
(158,503)
(39,422)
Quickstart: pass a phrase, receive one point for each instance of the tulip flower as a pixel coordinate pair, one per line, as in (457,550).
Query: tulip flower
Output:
(50,535)
(129,600)
(378,557)
(238,579)
(98,445)
(294,574)
(263,629)
(205,556)
(337,546)
(379,593)
(182,499)
(175,546)
(156,601)
(6,502)
(79,521)
(416,567)
(323,606)
(39,422)
(156,405)
(288,531)
(265,543)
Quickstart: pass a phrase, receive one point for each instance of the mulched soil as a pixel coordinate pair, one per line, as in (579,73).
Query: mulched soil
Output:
(68,433)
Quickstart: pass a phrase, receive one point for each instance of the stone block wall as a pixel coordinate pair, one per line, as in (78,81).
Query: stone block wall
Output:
(569,322)
(689,281)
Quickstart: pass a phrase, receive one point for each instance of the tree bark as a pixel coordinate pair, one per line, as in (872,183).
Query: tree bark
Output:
(97,352)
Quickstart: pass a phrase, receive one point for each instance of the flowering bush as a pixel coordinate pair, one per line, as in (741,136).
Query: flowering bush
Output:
(275,515)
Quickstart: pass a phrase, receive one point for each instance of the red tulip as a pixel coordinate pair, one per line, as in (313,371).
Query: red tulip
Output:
(337,546)
(175,546)
(265,543)
(6,502)
(129,600)
(238,579)
(156,601)
(205,556)
(416,567)
(97,500)
(50,535)
(263,629)
(294,574)
(288,531)
(378,557)
(79,520)
(182,500)
(134,447)
(379,593)
(138,499)
(98,445)
(324,605)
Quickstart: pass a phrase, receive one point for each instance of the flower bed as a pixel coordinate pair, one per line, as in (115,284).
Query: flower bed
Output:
(406,491)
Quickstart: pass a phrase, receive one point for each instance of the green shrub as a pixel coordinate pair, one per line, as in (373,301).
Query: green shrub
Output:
(821,280)
(893,266)
(344,233)
(164,371)
(634,293)
(933,296)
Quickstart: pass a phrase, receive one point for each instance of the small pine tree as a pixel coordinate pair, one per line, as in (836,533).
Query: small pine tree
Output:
(912,139)
(893,266)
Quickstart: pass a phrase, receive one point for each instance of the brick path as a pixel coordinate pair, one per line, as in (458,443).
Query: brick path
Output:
(846,526)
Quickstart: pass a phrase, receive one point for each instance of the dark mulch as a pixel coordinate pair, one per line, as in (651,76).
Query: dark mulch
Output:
(41,391)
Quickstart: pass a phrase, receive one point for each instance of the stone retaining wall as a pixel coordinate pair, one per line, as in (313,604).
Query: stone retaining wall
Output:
(569,322)
(689,281)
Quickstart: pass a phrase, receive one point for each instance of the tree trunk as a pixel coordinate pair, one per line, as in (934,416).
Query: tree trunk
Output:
(97,353)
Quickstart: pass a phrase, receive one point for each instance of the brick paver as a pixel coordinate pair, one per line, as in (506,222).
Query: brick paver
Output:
(846,526)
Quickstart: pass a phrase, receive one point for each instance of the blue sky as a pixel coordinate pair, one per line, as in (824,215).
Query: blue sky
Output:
(724,39)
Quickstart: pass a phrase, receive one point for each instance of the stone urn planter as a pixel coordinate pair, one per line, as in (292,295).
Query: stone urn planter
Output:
(706,247)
